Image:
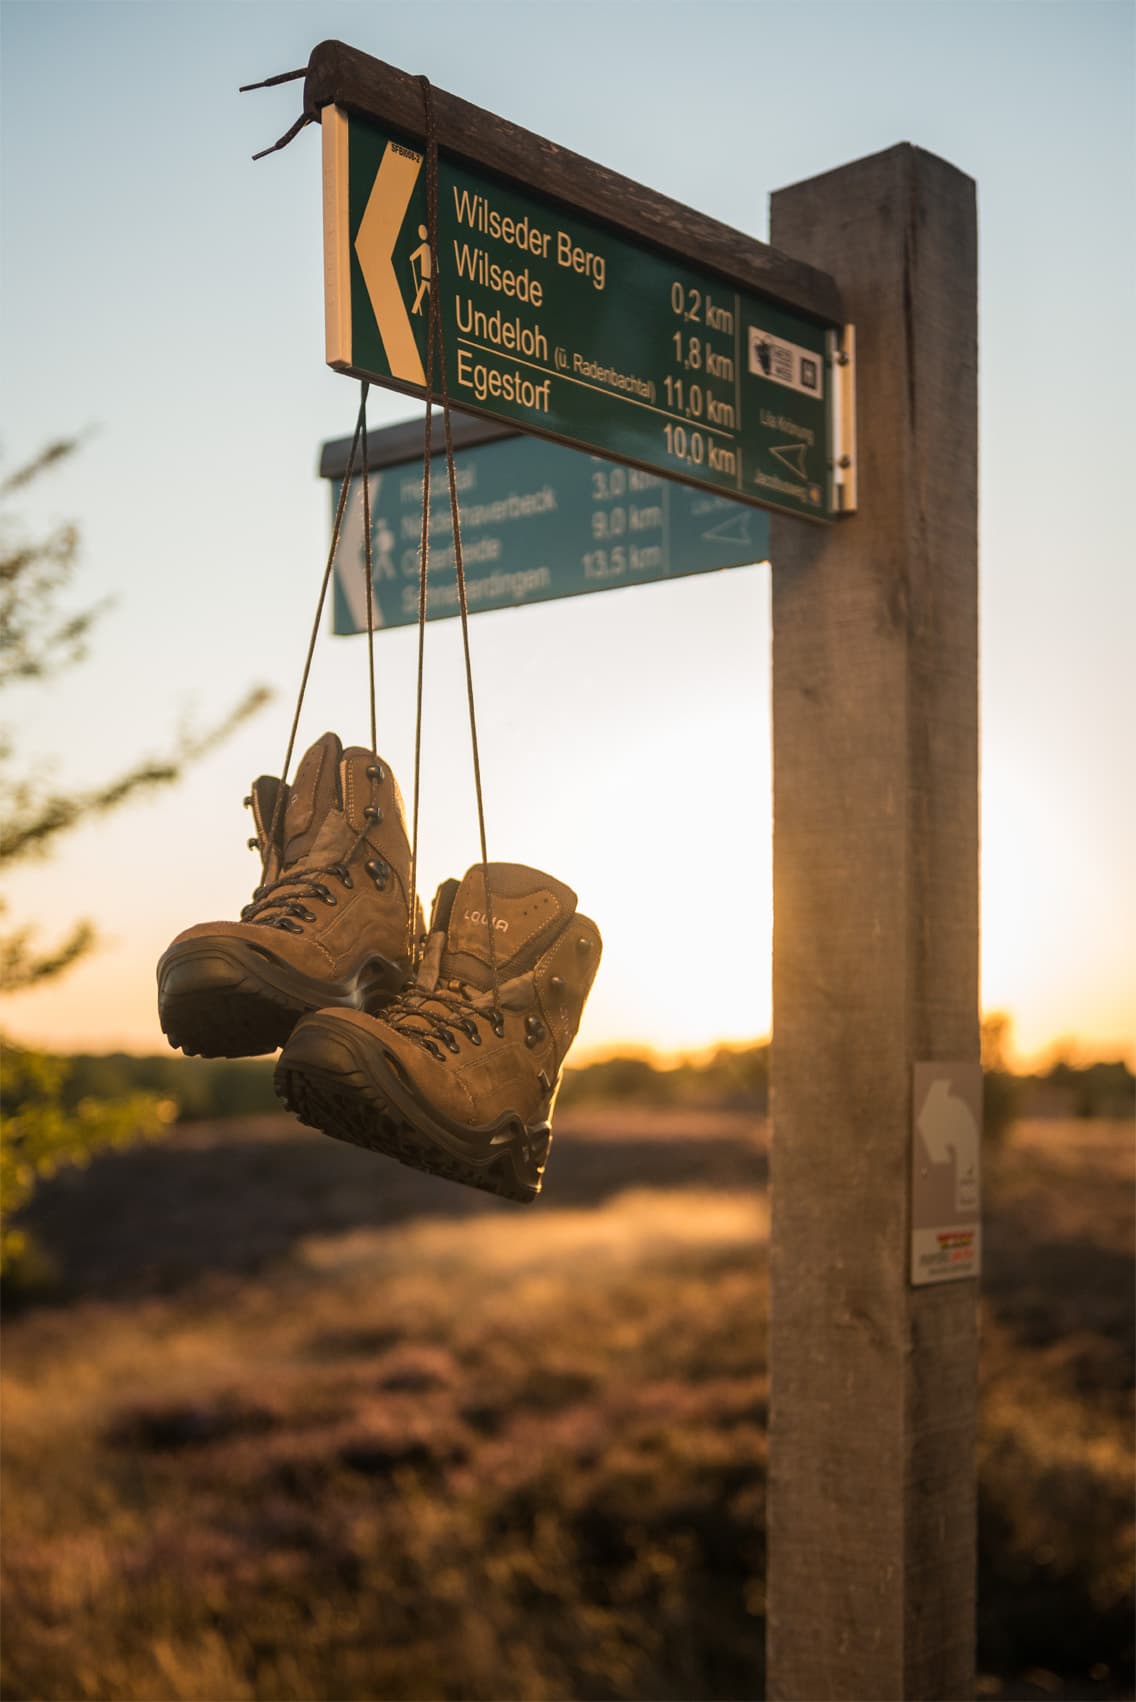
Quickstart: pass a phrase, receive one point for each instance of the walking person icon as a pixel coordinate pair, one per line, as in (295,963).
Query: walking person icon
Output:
(382,556)
(421,269)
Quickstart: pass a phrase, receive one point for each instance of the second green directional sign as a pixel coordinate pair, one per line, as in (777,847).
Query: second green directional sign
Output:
(562,327)
(539,522)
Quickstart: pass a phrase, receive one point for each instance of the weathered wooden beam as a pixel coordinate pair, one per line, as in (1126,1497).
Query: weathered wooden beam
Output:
(338,75)
(871,1504)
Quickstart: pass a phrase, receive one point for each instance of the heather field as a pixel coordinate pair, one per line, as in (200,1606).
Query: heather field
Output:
(297,1423)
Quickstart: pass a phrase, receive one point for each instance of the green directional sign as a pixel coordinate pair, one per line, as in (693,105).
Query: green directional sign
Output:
(563,327)
(538,521)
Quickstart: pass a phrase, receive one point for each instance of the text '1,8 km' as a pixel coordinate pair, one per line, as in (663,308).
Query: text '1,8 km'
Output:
(562,327)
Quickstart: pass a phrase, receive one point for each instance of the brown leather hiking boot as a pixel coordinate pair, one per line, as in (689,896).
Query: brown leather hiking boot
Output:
(328,926)
(450,1078)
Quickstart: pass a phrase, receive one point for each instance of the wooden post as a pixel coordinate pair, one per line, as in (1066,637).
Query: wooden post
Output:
(871,1505)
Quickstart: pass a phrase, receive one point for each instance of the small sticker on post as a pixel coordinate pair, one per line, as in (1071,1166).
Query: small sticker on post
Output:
(946,1231)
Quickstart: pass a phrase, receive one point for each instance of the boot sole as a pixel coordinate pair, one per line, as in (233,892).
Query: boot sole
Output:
(224,999)
(334,1080)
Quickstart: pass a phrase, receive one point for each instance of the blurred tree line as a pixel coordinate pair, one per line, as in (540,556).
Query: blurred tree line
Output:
(196,1088)
(49,1117)
(732,1078)
(1102,1089)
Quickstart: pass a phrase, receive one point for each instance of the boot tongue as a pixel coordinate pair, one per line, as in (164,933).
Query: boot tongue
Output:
(528,908)
(311,796)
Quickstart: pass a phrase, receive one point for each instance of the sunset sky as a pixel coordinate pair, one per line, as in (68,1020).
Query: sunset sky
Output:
(163,294)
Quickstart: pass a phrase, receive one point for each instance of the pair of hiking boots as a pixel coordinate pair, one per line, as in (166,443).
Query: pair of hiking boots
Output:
(450,1065)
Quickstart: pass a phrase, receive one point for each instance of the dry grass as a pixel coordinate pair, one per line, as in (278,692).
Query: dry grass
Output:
(292,1436)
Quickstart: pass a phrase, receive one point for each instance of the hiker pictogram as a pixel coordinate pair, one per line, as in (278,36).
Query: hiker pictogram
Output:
(421,268)
(385,543)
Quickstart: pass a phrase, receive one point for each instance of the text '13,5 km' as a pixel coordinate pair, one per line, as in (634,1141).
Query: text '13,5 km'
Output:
(555,324)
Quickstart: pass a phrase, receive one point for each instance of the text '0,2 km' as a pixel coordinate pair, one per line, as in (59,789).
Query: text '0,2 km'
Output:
(560,326)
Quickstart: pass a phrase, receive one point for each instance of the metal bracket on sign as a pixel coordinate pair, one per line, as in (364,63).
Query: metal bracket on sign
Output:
(842,368)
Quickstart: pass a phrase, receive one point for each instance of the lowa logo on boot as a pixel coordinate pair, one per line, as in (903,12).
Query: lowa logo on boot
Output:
(480,920)
(518,916)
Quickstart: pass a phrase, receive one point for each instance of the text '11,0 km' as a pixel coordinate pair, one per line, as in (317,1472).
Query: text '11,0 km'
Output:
(563,327)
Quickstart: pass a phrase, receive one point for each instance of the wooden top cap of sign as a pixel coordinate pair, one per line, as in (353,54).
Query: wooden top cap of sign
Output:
(339,75)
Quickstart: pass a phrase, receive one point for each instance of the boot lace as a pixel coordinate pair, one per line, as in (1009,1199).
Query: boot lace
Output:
(413,1016)
(279,903)
(275,905)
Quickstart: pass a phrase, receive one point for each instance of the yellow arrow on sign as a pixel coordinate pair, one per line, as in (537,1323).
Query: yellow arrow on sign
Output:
(374,244)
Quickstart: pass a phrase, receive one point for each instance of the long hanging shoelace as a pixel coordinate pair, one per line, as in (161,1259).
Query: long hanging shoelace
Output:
(359,440)
(435,341)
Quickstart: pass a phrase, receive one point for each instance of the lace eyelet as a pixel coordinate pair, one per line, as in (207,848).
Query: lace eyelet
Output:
(324,893)
(254,844)
(344,874)
(446,1036)
(373,813)
(471,1029)
(376,772)
(497,1022)
(246,803)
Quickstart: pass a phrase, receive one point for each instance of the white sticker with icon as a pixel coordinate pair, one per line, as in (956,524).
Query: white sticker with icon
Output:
(786,363)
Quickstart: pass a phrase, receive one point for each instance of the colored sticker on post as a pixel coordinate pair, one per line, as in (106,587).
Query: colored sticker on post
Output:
(946,1137)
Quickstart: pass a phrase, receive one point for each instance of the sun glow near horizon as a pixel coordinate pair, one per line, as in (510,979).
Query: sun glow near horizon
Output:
(654,805)
(668,993)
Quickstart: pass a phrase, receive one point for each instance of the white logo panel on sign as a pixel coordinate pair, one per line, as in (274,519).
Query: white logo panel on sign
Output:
(786,363)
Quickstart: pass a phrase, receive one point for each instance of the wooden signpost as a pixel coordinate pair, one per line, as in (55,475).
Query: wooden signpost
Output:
(875,1242)
(871,1499)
